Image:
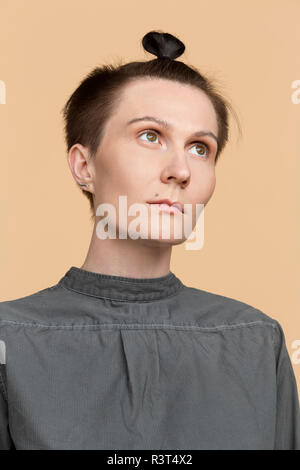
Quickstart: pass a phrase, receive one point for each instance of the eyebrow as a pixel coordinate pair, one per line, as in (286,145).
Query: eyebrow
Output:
(167,125)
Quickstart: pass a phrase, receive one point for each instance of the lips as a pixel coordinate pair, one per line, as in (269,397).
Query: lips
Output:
(170,203)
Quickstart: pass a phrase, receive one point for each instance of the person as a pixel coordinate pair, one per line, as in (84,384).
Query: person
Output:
(120,353)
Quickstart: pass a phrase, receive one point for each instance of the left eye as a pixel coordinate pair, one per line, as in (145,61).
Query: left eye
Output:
(154,134)
(202,149)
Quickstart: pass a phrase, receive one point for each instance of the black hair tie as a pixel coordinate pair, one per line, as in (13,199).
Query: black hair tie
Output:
(163,45)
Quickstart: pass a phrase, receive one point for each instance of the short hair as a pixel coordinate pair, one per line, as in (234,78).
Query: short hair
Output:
(93,102)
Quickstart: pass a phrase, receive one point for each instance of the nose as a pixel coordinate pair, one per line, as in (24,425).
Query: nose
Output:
(176,169)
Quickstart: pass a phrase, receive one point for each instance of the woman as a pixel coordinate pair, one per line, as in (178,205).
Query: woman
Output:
(120,354)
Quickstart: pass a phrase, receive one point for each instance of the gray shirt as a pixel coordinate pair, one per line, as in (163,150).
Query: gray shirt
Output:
(109,362)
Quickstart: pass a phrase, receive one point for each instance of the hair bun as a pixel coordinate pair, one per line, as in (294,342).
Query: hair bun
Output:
(163,45)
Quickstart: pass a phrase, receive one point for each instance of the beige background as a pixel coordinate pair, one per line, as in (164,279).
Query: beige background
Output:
(252,48)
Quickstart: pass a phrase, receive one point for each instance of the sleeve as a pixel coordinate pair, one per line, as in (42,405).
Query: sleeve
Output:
(6,442)
(287,436)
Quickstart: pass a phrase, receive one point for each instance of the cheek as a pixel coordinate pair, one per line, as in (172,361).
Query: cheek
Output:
(117,174)
(108,169)
(206,187)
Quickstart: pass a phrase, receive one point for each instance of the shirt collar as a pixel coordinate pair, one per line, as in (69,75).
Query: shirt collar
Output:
(119,287)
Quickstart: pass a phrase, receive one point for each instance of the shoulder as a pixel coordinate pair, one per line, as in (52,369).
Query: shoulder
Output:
(30,308)
(215,310)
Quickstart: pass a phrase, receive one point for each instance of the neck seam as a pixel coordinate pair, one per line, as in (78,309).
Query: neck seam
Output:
(179,288)
(133,280)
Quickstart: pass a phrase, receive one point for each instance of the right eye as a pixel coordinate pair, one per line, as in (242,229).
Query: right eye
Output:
(150,132)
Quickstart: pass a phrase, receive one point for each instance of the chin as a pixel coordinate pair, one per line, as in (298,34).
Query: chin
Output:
(161,242)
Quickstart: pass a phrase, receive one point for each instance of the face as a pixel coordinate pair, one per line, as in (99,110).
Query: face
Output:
(146,161)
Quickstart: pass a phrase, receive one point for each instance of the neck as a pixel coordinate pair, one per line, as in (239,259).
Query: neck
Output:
(141,258)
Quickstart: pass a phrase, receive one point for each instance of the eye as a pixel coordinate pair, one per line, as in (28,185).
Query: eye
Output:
(150,132)
(202,149)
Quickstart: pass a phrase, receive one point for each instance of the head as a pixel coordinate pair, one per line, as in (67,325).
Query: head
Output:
(146,160)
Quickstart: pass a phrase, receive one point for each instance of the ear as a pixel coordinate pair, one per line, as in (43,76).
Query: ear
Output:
(79,164)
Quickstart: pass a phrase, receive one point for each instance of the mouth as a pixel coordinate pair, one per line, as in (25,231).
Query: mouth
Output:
(168,206)
(168,209)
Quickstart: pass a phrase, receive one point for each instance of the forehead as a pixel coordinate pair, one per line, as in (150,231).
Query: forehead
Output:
(184,106)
